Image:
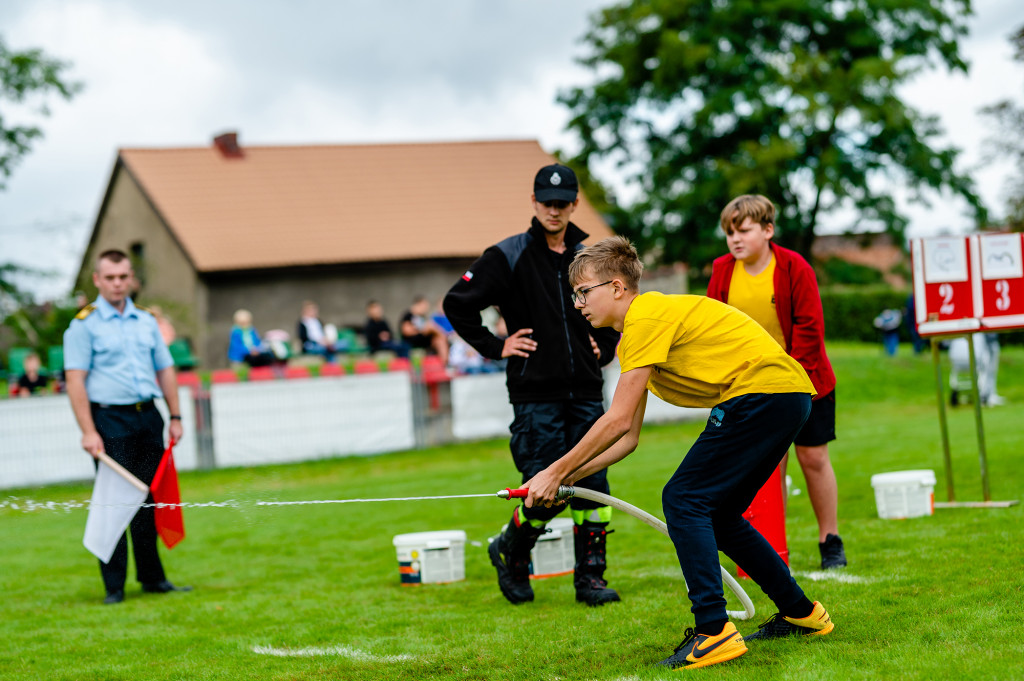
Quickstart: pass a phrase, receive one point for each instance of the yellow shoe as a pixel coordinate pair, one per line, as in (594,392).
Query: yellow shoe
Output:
(701,650)
(818,623)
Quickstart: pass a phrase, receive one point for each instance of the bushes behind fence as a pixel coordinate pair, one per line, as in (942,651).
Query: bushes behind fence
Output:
(849,313)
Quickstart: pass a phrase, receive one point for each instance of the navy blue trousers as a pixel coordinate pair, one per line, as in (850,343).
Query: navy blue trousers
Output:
(704,501)
(136,441)
(542,433)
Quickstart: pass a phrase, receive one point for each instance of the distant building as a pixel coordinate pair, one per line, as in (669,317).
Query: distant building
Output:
(213,229)
(875,250)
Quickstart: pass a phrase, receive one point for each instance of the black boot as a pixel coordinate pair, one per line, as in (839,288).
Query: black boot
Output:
(510,554)
(589,540)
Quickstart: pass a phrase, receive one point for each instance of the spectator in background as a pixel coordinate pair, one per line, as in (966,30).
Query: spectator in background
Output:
(81,300)
(910,317)
(378,332)
(313,334)
(420,332)
(889,322)
(986,359)
(245,345)
(164,324)
(994,398)
(500,331)
(32,382)
(466,360)
(441,319)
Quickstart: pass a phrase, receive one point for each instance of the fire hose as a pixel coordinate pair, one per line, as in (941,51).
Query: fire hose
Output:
(566,492)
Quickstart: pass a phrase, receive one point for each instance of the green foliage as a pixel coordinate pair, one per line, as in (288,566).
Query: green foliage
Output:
(26,77)
(839,271)
(37,326)
(850,312)
(923,599)
(700,100)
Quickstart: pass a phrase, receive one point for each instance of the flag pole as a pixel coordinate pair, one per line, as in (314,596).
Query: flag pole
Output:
(120,470)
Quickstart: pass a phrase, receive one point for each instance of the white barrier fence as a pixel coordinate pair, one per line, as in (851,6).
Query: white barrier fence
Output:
(480,406)
(303,419)
(277,421)
(40,442)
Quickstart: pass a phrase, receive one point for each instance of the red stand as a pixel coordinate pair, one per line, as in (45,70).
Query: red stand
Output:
(768,516)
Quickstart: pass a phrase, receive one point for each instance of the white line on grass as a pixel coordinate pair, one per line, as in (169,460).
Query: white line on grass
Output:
(335,651)
(834,576)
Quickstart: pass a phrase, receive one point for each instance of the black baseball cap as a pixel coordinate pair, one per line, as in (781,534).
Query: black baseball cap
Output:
(555,183)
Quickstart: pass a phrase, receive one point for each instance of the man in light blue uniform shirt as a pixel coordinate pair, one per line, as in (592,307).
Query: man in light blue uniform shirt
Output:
(116,364)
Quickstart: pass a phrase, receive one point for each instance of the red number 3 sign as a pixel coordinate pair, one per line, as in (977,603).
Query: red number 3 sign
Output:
(964,284)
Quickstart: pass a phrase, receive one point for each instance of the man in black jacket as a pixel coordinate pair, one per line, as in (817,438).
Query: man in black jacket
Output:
(553,375)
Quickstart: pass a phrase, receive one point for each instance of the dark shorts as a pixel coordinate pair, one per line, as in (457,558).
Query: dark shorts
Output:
(820,428)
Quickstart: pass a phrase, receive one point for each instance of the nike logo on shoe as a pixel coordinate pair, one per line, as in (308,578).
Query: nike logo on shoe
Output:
(699,652)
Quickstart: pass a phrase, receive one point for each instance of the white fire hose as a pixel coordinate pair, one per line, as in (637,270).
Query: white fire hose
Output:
(567,492)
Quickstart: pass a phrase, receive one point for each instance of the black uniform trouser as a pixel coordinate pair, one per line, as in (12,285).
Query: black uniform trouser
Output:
(542,433)
(134,439)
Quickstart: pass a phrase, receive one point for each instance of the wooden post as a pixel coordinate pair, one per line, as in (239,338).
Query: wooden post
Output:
(943,428)
(979,426)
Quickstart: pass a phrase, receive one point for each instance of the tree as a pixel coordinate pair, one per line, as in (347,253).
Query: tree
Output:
(1009,140)
(701,100)
(25,76)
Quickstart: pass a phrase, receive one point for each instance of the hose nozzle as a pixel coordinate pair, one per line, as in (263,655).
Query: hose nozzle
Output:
(564,492)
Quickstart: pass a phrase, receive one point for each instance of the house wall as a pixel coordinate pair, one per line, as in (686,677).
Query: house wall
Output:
(166,275)
(275,297)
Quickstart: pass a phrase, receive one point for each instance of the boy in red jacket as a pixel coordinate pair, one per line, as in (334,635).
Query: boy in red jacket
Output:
(777,287)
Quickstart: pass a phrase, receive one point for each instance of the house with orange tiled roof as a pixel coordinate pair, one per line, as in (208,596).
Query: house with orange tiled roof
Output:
(217,228)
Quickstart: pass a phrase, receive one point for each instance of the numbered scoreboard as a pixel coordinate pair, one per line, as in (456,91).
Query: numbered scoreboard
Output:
(968,283)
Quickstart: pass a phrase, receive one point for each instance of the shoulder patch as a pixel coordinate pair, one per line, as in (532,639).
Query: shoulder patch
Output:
(512,247)
(85,311)
(144,309)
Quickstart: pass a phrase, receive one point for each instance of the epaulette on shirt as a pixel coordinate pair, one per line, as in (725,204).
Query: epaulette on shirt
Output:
(85,312)
(144,309)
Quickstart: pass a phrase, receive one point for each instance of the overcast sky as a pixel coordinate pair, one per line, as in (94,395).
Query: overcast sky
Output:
(177,73)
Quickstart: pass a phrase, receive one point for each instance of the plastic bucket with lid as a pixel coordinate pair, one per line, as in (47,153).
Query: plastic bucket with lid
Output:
(904,494)
(431,557)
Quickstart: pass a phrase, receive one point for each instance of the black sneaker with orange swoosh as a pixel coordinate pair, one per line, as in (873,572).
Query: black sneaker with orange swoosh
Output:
(701,650)
(818,623)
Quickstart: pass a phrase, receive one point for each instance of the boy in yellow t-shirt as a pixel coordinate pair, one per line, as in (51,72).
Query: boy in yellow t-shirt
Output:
(692,351)
(777,287)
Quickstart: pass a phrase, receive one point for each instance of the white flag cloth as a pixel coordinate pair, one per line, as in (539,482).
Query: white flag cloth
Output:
(115,501)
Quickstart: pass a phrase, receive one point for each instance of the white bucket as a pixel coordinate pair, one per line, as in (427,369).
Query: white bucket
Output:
(904,494)
(553,554)
(431,557)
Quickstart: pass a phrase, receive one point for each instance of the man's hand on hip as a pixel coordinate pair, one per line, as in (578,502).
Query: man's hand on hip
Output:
(519,344)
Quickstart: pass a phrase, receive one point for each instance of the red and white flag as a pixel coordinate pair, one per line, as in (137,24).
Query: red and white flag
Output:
(170,522)
(116,498)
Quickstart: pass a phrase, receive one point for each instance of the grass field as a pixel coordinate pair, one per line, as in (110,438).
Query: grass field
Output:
(927,598)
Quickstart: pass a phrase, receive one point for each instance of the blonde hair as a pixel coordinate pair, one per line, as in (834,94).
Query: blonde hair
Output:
(242,316)
(611,258)
(758,208)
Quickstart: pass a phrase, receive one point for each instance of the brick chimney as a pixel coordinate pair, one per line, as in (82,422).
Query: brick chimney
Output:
(227,144)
